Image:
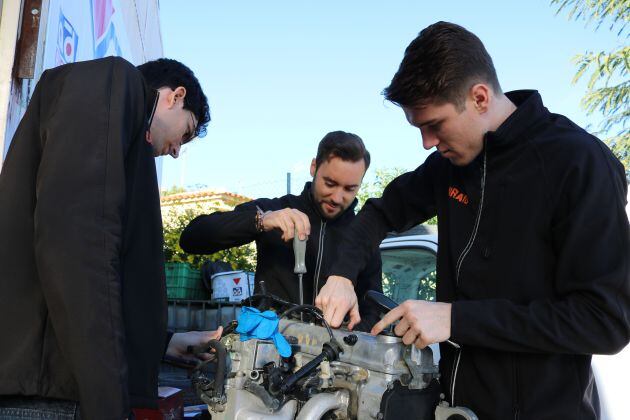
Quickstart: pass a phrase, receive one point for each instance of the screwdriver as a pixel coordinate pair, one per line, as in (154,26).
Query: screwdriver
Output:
(299,251)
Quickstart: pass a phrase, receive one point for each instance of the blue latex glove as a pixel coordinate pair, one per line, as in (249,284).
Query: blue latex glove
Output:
(262,325)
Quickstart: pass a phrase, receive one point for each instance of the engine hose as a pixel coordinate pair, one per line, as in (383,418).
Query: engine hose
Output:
(230,327)
(250,300)
(199,378)
(290,381)
(330,352)
(311,309)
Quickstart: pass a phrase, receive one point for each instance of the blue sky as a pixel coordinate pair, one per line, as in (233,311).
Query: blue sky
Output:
(279,75)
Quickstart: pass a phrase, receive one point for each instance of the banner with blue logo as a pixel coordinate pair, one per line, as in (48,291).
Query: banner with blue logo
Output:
(84,30)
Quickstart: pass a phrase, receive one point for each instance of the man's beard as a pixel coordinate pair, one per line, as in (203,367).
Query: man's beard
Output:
(326,210)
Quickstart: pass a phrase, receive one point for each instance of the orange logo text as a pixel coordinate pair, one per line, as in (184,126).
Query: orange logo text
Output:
(456,194)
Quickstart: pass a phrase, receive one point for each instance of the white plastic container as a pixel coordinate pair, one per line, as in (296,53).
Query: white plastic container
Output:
(232,286)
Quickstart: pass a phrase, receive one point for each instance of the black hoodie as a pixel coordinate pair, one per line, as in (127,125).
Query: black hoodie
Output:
(82,293)
(211,233)
(534,255)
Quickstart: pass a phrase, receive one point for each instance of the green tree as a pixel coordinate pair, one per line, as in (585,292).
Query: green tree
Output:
(241,258)
(608,84)
(374,189)
(173,190)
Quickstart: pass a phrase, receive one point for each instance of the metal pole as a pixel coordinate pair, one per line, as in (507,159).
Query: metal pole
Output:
(288,182)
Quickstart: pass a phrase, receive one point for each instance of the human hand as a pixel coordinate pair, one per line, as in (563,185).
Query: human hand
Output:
(288,221)
(336,299)
(421,322)
(180,342)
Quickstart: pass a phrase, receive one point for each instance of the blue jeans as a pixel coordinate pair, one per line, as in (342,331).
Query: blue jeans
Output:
(37,408)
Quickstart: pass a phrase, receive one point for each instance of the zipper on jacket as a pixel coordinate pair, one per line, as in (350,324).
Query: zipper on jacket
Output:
(469,245)
(454,375)
(320,257)
(463,255)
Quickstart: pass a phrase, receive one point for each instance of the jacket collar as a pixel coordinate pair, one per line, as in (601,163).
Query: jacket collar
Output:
(529,110)
(307,196)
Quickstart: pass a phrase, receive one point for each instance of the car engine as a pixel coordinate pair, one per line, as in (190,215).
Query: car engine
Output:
(331,374)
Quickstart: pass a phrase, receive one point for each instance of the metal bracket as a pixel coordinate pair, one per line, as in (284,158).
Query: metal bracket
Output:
(420,364)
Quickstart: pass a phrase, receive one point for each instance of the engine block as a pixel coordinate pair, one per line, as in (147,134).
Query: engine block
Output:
(372,377)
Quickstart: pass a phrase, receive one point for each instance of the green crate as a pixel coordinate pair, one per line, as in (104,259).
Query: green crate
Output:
(184,282)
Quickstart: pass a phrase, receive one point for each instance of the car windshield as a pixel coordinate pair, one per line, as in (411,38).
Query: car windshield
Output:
(409,273)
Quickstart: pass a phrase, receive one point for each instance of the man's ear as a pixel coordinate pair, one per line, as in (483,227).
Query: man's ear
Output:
(177,96)
(313,167)
(480,97)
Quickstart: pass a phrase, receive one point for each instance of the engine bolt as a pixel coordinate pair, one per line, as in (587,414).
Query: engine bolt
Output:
(351,339)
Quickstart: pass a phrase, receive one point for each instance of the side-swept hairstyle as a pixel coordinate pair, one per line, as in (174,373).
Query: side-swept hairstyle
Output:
(439,66)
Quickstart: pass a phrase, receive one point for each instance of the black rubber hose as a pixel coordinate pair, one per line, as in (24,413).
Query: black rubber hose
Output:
(220,359)
(330,352)
(290,381)
(311,309)
(250,300)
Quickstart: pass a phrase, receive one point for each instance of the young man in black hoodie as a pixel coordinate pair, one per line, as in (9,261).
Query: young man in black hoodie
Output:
(322,212)
(533,260)
(82,290)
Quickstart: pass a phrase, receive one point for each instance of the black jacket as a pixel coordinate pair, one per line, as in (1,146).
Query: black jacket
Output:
(211,233)
(82,294)
(545,282)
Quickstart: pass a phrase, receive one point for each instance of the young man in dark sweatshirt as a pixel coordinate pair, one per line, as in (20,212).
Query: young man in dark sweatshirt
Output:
(323,212)
(82,290)
(533,260)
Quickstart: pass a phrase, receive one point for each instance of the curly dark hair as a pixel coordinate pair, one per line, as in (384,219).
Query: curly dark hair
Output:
(439,66)
(166,72)
(346,146)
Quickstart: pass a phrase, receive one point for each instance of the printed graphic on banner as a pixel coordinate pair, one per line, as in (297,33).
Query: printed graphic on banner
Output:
(105,39)
(67,41)
(237,291)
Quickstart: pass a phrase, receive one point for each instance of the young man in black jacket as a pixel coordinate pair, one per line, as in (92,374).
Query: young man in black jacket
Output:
(322,212)
(82,290)
(533,260)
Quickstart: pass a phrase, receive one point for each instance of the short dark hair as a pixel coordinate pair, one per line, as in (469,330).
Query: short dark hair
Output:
(345,146)
(166,72)
(439,66)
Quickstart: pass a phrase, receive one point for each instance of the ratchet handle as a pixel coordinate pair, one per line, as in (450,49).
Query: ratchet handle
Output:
(384,303)
(299,251)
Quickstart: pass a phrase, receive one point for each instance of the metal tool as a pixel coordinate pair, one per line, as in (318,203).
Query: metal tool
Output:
(299,251)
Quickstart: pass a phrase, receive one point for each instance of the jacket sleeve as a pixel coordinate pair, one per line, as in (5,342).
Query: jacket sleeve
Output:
(214,232)
(408,200)
(78,223)
(590,313)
